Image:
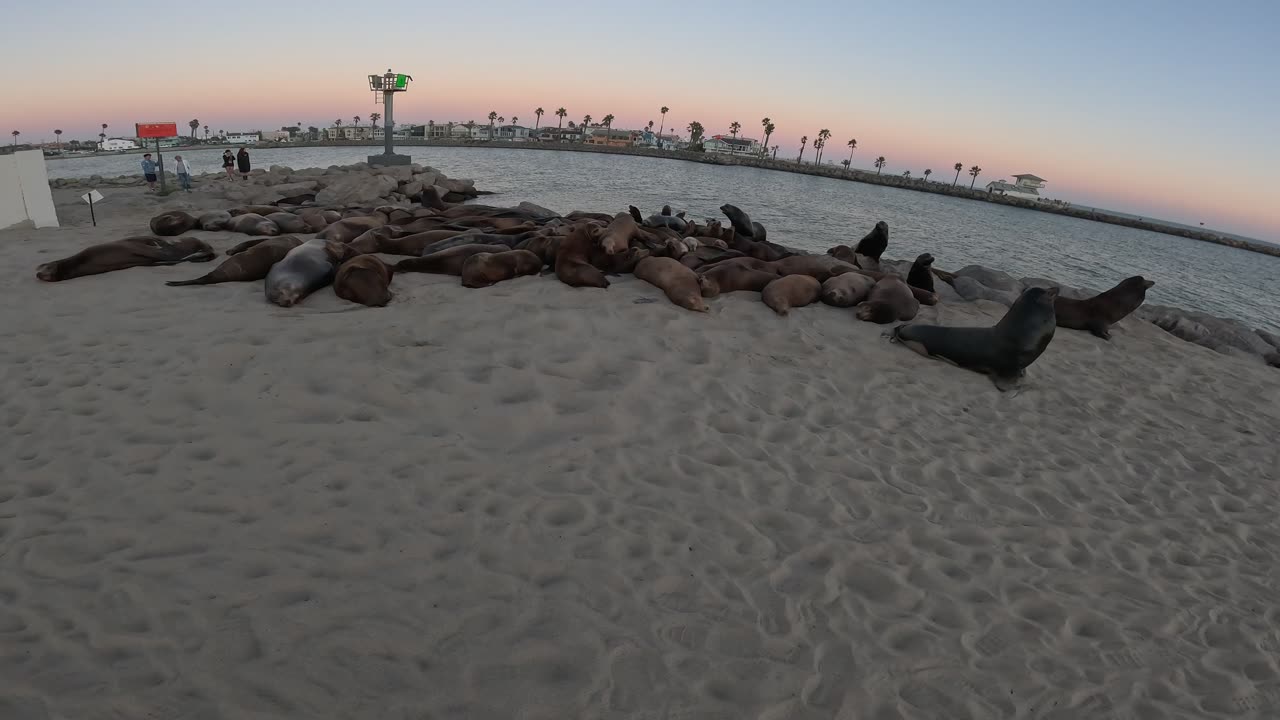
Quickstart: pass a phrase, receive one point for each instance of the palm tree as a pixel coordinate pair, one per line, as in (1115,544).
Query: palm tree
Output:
(15,134)
(769,127)
(538,122)
(194,125)
(853,145)
(695,133)
(103,134)
(102,138)
(734,127)
(663,125)
(775,152)
(493,116)
(650,128)
(449,126)
(206,133)
(312,130)
(974,171)
(59,134)
(803,141)
(561,113)
(927,173)
(846,163)
(959,167)
(906,173)
(817,149)
(608,121)
(337,124)
(586,120)
(824,135)
(470,125)
(515,120)
(880,163)
(374,118)
(501,120)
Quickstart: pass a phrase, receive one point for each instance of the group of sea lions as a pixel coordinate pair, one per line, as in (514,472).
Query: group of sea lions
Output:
(688,260)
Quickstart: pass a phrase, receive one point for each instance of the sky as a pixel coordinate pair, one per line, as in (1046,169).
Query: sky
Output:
(1165,109)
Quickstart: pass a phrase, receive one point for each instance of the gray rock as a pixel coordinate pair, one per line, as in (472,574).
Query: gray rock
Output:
(429,178)
(537,210)
(1222,335)
(970,289)
(462,187)
(1272,340)
(412,188)
(945,292)
(994,279)
(357,190)
(279,169)
(402,173)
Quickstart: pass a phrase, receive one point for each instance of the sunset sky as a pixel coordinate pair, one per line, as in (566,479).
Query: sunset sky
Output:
(1161,108)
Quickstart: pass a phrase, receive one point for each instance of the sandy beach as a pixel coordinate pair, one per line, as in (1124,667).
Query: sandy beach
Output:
(539,502)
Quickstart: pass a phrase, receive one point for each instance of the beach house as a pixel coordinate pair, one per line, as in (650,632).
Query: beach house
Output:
(241,138)
(729,145)
(117,144)
(512,133)
(1024,186)
(609,137)
(559,135)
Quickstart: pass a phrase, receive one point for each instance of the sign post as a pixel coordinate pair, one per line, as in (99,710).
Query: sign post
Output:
(158,130)
(91,197)
(389,84)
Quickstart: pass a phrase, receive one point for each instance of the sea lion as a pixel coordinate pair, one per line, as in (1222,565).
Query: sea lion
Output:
(820,267)
(510,242)
(140,251)
(448,261)
(1098,313)
(214,220)
(619,233)
(349,229)
(843,253)
(583,215)
(173,223)
(380,240)
(791,291)
(889,300)
(289,223)
(246,245)
(253,210)
(874,243)
(846,290)
(430,197)
(1003,351)
(251,264)
(363,279)
(744,261)
(252,224)
(730,277)
(572,266)
(485,269)
(740,220)
(678,282)
(305,269)
(920,276)
(296,199)
(672,222)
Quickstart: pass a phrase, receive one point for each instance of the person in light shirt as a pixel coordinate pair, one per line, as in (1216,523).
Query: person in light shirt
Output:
(149,171)
(183,169)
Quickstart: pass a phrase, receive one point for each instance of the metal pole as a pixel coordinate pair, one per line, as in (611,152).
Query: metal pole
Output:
(160,163)
(91,214)
(387,123)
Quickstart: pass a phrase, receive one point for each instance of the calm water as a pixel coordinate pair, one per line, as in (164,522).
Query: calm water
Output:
(815,213)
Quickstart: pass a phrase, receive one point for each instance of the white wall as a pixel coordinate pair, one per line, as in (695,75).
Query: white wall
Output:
(24,190)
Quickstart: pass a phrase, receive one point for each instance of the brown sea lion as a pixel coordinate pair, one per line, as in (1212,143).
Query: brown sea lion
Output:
(847,289)
(891,299)
(791,291)
(289,223)
(820,267)
(364,279)
(318,219)
(263,210)
(173,223)
(214,220)
(251,264)
(874,243)
(598,217)
(844,253)
(485,269)
(678,282)
(246,245)
(544,246)
(1002,351)
(729,277)
(447,262)
(345,231)
(305,269)
(572,265)
(920,276)
(253,224)
(379,240)
(744,261)
(140,251)
(1098,313)
(619,233)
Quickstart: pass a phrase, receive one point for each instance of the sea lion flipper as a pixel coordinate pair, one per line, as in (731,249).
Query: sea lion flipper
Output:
(1101,331)
(635,213)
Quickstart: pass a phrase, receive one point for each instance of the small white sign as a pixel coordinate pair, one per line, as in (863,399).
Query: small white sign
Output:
(92,194)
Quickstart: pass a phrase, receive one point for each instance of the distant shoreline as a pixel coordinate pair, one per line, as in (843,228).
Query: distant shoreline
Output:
(897,181)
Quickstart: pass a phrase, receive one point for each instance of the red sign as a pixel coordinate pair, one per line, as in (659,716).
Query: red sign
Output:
(157,130)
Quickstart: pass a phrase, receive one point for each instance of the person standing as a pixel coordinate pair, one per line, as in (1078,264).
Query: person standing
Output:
(228,163)
(183,169)
(242,160)
(149,171)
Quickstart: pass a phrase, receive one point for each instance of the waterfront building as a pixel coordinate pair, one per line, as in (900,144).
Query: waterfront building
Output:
(117,144)
(1024,186)
(729,145)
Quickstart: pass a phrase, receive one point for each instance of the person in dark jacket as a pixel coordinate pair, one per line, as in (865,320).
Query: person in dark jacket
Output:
(242,163)
(228,163)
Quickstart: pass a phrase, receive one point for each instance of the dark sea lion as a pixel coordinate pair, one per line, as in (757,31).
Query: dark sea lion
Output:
(430,197)
(891,299)
(874,243)
(820,267)
(349,229)
(847,290)
(363,279)
(305,269)
(740,220)
(1098,313)
(253,224)
(253,210)
(173,223)
(544,246)
(666,210)
(667,221)
(1003,351)
(635,214)
(728,277)
(758,233)
(572,265)
(791,291)
(920,275)
(485,269)
(598,217)
(509,242)
(377,240)
(140,251)
(678,282)
(214,220)
(289,223)
(246,245)
(251,264)
(297,199)
(448,261)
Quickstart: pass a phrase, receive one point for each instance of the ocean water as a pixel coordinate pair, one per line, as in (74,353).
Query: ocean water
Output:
(815,213)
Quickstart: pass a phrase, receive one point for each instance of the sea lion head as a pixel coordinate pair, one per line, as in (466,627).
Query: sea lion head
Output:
(1137,282)
(708,287)
(925,260)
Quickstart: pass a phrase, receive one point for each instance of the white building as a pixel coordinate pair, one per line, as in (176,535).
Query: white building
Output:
(728,145)
(276,136)
(1025,186)
(400,133)
(513,133)
(117,144)
(243,138)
